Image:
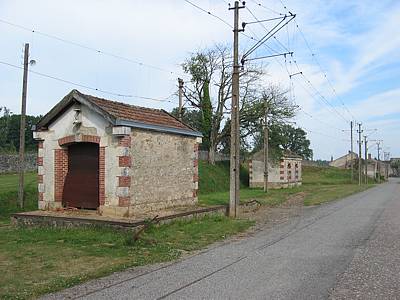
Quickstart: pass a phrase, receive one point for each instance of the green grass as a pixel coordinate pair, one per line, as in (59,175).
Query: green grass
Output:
(35,261)
(215,178)
(9,194)
(42,260)
(320,185)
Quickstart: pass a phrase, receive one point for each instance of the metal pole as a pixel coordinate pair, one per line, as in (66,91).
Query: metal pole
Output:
(266,144)
(366,158)
(359,154)
(235,135)
(351,151)
(180,84)
(379,163)
(22,129)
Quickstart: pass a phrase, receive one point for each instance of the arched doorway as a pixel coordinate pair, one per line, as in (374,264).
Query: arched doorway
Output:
(81,187)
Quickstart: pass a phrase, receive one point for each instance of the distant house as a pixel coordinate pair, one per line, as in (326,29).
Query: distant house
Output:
(117,158)
(375,167)
(344,162)
(283,173)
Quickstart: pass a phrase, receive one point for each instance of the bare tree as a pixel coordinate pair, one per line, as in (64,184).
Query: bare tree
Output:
(210,91)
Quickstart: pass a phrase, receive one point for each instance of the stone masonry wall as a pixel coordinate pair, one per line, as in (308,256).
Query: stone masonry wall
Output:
(9,162)
(164,171)
(286,173)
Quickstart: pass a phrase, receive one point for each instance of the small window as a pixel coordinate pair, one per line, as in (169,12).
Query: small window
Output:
(289,166)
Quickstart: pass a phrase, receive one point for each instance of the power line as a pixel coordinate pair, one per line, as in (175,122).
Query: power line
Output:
(267,8)
(313,55)
(319,93)
(319,120)
(325,101)
(323,134)
(209,13)
(87,86)
(76,44)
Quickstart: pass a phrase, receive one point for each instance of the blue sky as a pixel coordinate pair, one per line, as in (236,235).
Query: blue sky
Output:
(356,43)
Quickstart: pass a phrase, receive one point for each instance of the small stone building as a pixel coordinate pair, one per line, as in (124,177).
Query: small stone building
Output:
(283,173)
(119,159)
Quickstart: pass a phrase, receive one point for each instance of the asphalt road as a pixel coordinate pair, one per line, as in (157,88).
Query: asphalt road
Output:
(343,250)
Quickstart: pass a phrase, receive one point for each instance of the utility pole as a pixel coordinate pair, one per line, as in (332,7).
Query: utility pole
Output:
(351,150)
(180,84)
(22,129)
(235,126)
(266,145)
(359,153)
(378,144)
(366,159)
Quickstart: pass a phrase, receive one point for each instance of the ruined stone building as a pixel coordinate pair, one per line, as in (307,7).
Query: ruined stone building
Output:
(117,158)
(283,173)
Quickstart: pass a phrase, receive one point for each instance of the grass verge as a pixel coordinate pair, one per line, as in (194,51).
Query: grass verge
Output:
(9,194)
(35,261)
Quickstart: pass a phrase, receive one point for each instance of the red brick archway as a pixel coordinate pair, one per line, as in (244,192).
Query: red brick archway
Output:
(61,164)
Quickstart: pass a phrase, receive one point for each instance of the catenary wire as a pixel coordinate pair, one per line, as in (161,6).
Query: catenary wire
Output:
(87,86)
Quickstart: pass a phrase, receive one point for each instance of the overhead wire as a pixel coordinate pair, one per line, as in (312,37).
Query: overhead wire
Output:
(87,86)
(89,48)
(289,73)
(256,39)
(313,55)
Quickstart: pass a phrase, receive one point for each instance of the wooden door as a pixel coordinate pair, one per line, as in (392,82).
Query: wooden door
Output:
(81,187)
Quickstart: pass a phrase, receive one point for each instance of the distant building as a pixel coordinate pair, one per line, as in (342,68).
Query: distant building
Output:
(375,167)
(283,173)
(344,162)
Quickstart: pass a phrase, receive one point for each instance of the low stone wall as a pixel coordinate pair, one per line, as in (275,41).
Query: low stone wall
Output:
(9,162)
(37,219)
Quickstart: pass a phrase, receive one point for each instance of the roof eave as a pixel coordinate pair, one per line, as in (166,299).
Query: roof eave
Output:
(159,128)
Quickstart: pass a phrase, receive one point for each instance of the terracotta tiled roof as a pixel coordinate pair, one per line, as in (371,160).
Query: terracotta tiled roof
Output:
(136,113)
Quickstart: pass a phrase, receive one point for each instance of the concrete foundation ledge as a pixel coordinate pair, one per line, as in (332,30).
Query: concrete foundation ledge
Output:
(50,219)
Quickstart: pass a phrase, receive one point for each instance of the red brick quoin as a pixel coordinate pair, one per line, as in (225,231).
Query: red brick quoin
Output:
(60,172)
(124,161)
(102,175)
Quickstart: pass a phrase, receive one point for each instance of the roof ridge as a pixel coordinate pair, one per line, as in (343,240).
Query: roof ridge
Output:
(118,102)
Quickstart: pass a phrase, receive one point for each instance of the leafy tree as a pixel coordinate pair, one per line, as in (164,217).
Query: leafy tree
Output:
(209,91)
(9,131)
(286,137)
(279,108)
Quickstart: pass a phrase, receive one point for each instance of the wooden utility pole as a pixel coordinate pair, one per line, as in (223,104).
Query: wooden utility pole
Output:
(366,159)
(180,84)
(351,151)
(22,129)
(235,126)
(359,154)
(266,146)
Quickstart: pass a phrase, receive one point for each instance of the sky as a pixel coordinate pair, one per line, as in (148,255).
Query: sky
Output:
(130,50)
